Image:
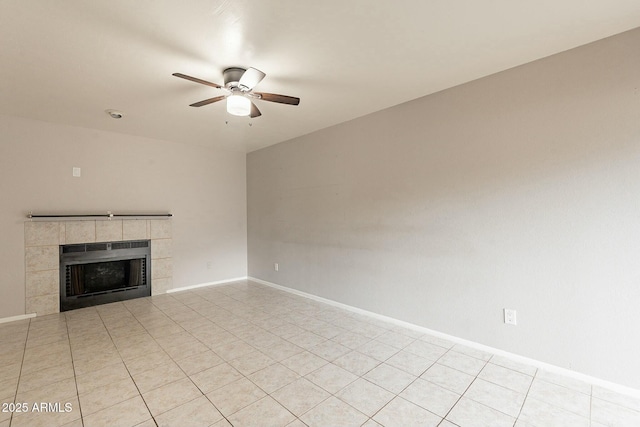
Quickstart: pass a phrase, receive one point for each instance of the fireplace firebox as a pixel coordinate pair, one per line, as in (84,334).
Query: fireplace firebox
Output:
(100,273)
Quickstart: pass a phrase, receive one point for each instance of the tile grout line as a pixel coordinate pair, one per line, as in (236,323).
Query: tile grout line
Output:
(125,365)
(535,374)
(301,376)
(174,361)
(24,352)
(127,368)
(279,363)
(395,395)
(75,377)
(591,406)
(487,362)
(570,390)
(469,386)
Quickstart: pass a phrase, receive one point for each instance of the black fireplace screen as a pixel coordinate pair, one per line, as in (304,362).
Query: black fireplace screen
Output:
(99,273)
(105,276)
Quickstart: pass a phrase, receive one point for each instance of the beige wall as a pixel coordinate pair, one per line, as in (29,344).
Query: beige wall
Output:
(205,189)
(519,190)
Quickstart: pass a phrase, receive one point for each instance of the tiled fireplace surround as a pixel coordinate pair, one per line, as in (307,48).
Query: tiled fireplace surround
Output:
(43,238)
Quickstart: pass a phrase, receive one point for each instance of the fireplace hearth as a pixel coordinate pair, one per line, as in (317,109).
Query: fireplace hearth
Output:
(103,272)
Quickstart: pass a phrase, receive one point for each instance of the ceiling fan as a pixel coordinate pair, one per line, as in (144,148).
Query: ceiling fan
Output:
(239,84)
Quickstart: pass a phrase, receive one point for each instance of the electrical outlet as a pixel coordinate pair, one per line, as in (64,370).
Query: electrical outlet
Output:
(209,265)
(76,172)
(510,317)
(275,266)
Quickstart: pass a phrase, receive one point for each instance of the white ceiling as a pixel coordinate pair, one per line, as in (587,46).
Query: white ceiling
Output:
(66,61)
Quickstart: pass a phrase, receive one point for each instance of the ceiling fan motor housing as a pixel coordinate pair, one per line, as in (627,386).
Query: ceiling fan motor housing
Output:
(232,76)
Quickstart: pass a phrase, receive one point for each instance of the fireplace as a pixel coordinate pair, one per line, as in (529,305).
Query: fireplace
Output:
(104,272)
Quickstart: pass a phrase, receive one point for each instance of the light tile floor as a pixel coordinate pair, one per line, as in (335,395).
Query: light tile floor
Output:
(248,355)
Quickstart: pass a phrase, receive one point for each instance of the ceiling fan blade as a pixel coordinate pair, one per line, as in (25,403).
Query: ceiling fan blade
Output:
(197,80)
(208,101)
(250,78)
(254,111)
(282,99)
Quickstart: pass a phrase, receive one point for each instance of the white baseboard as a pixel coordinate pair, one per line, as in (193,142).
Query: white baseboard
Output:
(203,285)
(16,318)
(515,357)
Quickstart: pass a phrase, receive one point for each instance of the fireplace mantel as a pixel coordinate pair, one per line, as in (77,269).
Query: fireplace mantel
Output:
(42,255)
(94,216)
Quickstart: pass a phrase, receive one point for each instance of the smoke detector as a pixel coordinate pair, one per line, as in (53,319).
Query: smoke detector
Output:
(114,114)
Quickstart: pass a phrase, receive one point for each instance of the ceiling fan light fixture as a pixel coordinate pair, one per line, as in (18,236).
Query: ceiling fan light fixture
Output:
(238,88)
(238,105)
